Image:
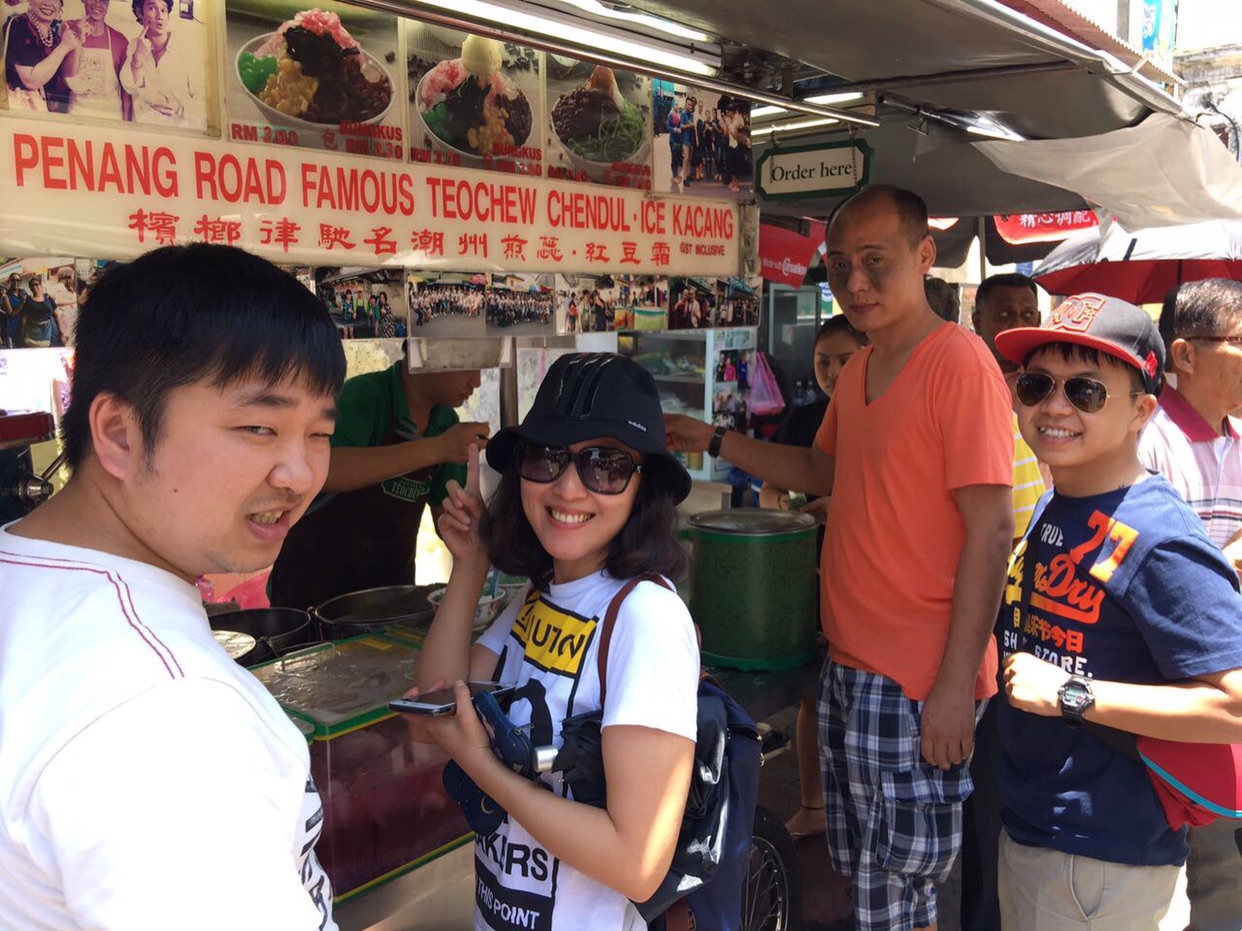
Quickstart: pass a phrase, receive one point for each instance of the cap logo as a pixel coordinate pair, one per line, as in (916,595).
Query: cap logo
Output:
(1150,364)
(637,426)
(1076,314)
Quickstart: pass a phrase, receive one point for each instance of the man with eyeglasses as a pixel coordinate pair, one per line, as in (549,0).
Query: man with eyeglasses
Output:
(1194,443)
(1118,612)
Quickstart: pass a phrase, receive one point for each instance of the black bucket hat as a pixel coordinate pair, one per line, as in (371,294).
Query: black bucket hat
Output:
(590,395)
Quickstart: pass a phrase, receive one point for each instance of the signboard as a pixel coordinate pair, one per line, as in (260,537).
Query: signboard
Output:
(834,168)
(785,255)
(1019,228)
(1159,28)
(104,191)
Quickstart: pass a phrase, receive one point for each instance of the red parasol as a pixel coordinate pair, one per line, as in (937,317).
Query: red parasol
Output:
(1143,266)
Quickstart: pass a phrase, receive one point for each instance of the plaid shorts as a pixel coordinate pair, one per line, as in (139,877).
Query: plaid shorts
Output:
(894,822)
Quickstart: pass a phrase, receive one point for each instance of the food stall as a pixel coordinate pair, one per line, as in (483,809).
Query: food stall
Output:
(477,203)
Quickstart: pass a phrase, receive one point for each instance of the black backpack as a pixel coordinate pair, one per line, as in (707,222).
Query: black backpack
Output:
(713,849)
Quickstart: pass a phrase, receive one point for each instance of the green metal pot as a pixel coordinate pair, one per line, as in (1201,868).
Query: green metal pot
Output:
(752,588)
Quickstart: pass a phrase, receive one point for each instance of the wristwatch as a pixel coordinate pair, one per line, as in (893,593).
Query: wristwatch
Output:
(1075,698)
(713,448)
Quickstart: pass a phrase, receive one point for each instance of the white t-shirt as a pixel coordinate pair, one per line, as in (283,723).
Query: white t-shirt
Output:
(653,675)
(146,780)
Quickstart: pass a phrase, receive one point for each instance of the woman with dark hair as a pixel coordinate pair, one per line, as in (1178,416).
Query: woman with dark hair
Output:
(586,506)
(36,45)
(38,323)
(387,320)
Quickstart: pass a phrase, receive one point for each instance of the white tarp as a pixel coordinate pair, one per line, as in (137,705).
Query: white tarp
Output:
(1164,171)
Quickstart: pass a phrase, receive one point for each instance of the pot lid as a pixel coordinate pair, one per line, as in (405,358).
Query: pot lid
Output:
(754,522)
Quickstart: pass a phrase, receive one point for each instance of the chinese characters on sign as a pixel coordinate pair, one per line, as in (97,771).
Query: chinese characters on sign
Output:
(104,191)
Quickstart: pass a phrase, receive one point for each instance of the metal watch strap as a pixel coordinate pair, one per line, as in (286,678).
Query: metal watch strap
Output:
(713,448)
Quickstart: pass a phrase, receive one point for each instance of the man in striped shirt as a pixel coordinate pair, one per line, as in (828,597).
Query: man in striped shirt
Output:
(1194,442)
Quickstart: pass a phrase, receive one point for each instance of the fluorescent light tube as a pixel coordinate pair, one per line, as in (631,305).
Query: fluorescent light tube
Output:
(821,99)
(595,8)
(791,127)
(658,54)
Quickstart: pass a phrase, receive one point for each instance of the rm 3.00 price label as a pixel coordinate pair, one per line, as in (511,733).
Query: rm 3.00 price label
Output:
(277,136)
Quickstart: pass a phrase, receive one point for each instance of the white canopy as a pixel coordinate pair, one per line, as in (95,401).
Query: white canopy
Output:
(1163,172)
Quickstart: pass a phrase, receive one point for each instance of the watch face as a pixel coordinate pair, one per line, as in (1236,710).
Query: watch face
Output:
(1076,698)
(1074,695)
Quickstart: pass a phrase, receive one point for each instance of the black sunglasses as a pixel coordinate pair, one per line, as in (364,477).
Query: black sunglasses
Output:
(602,469)
(1086,394)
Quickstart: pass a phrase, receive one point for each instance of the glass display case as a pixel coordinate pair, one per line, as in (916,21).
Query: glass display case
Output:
(700,373)
(385,807)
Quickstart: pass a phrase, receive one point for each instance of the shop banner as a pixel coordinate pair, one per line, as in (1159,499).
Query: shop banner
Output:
(785,255)
(1019,228)
(101,191)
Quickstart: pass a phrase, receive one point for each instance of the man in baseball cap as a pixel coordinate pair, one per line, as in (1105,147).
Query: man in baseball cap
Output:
(1118,612)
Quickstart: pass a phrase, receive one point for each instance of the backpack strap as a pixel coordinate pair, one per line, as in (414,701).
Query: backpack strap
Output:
(610,622)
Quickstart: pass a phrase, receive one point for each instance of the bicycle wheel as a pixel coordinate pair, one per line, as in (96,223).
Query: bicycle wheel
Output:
(771,899)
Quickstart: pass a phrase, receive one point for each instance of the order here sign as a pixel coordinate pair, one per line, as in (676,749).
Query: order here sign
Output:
(833,169)
(115,193)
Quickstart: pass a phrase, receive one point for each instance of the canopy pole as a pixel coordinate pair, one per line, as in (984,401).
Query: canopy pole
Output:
(981,230)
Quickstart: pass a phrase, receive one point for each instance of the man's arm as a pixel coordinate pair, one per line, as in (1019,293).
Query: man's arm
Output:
(354,467)
(949,712)
(1206,710)
(809,470)
(1233,552)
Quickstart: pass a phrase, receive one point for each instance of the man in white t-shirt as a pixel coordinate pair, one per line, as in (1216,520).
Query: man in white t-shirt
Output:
(146,780)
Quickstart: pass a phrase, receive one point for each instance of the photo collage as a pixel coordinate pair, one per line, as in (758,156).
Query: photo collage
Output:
(349,79)
(42,296)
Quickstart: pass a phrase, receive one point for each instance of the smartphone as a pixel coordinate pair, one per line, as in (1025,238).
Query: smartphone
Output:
(444,701)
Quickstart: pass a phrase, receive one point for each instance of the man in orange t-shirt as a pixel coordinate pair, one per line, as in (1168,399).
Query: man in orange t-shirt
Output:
(917,451)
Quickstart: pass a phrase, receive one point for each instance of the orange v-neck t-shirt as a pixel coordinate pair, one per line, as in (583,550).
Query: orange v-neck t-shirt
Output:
(894,538)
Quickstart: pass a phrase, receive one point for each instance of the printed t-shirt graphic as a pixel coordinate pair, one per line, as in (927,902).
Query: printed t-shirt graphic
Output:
(548,648)
(1126,587)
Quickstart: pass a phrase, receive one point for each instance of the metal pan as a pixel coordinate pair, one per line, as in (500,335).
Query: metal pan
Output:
(374,609)
(275,630)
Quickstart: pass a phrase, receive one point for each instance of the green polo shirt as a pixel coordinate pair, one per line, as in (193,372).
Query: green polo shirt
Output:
(365,412)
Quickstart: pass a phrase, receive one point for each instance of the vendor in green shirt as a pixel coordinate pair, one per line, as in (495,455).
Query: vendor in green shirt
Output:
(397,443)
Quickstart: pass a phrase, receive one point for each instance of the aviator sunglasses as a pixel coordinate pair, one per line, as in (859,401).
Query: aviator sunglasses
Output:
(602,470)
(1086,394)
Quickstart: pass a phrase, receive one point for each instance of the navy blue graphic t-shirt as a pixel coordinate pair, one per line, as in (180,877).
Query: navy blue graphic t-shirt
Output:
(1128,588)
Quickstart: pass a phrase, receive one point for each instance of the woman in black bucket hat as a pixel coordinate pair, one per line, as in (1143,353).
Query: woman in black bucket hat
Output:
(586,506)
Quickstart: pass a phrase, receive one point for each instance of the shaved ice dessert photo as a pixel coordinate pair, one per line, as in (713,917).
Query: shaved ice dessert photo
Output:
(472,106)
(313,71)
